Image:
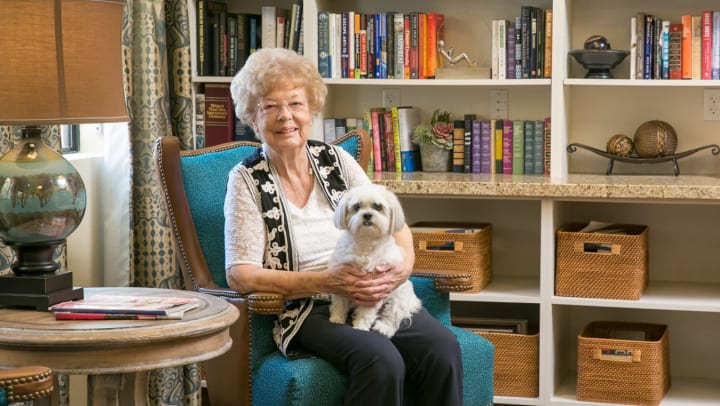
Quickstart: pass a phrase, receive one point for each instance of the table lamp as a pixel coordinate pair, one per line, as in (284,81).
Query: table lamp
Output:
(60,63)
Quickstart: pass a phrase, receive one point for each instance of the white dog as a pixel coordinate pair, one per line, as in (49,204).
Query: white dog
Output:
(368,216)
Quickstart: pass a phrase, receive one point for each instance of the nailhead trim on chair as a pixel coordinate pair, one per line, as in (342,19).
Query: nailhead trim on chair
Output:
(13,384)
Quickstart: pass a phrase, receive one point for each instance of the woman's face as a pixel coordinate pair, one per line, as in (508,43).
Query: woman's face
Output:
(283,118)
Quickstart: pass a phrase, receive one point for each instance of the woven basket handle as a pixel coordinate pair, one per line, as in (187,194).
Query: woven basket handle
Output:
(440,246)
(616,355)
(597,248)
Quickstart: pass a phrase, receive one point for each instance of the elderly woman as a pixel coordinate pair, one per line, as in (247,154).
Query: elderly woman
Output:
(279,236)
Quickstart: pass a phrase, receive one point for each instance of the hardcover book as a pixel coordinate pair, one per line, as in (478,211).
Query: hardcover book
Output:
(408,119)
(219,117)
(458,155)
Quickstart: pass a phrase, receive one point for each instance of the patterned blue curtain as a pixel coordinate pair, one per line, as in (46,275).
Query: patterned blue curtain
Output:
(156,48)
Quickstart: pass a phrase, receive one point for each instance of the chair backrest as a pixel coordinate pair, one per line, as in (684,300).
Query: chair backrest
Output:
(194,182)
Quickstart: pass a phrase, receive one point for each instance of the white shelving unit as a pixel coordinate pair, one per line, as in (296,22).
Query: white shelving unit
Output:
(681,212)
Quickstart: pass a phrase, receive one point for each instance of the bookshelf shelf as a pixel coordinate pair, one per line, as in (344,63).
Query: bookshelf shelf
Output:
(439,82)
(526,210)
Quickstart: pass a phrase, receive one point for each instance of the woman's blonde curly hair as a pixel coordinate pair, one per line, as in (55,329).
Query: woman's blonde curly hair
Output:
(268,69)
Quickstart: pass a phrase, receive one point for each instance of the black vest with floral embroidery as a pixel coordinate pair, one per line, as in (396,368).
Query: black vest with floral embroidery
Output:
(280,251)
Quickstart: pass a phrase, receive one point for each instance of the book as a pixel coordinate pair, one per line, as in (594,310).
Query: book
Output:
(507,147)
(219,117)
(458,151)
(408,119)
(706,45)
(268,26)
(518,147)
(467,142)
(167,306)
(475,146)
(675,41)
(115,316)
(686,47)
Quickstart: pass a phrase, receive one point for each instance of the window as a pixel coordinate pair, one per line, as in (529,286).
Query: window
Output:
(70,137)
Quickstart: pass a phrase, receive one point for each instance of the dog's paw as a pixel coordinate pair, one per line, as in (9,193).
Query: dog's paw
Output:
(384,328)
(338,318)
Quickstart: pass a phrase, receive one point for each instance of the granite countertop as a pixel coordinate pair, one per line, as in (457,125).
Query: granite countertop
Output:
(683,188)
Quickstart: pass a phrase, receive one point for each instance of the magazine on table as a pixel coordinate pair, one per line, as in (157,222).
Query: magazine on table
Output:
(102,306)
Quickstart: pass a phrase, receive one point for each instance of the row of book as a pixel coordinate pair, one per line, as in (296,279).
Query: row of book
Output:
(393,45)
(521,48)
(501,146)
(225,39)
(383,45)
(688,48)
(215,121)
(492,146)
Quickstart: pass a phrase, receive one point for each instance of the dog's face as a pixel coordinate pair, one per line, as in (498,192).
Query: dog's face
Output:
(369,210)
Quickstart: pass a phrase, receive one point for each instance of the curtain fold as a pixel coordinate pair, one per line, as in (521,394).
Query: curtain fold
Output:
(156,49)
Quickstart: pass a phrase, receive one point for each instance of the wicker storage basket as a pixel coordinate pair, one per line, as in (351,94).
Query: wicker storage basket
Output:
(439,249)
(516,363)
(598,265)
(613,368)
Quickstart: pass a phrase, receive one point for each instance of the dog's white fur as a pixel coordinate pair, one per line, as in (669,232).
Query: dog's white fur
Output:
(368,216)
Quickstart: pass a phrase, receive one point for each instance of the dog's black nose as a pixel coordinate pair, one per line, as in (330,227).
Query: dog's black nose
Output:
(367,216)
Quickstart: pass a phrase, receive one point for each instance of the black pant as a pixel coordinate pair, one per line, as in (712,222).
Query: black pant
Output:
(422,360)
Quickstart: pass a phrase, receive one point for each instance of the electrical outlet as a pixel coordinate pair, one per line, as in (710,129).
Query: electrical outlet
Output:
(711,104)
(498,104)
(391,97)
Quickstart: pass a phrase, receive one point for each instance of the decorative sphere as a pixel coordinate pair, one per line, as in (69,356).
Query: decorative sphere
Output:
(620,145)
(654,139)
(596,42)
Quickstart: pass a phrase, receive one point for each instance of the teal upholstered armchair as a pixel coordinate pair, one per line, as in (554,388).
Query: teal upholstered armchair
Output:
(254,372)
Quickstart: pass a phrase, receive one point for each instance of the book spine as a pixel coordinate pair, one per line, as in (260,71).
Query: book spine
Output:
(395,121)
(414,45)
(539,147)
(518,147)
(706,45)
(529,126)
(510,49)
(467,142)
(408,119)
(547,49)
(219,118)
(324,43)
(399,32)
(268,26)
(485,146)
(502,50)
(640,57)
(648,47)
(675,41)
(665,35)
(431,46)
(377,149)
(363,54)
(633,48)
(525,41)
(494,49)
(686,47)
(498,140)
(696,47)
(203,35)
(507,147)
(548,145)
(715,63)
(475,146)
(458,156)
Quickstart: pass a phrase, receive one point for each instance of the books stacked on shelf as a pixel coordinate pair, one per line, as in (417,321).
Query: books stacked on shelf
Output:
(383,45)
(337,127)
(115,307)
(393,45)
(491,146)
(521,48)
(225,39)
(684,47)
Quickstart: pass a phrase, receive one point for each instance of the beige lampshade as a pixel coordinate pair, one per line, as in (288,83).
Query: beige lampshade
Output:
(61,62)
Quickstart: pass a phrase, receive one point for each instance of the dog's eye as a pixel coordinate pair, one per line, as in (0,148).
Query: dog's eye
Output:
(377,206)
(355,207)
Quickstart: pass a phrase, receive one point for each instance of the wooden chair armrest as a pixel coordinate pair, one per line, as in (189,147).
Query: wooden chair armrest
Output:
(26,383)
(258,302)
(447,282)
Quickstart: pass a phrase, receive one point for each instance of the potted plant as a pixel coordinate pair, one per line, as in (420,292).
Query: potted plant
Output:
(436,142)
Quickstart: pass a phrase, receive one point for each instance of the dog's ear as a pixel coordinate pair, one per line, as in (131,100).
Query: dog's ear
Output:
(341,217)
(397,215)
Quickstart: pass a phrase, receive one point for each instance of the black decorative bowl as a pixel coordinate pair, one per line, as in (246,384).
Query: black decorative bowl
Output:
(598,62)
